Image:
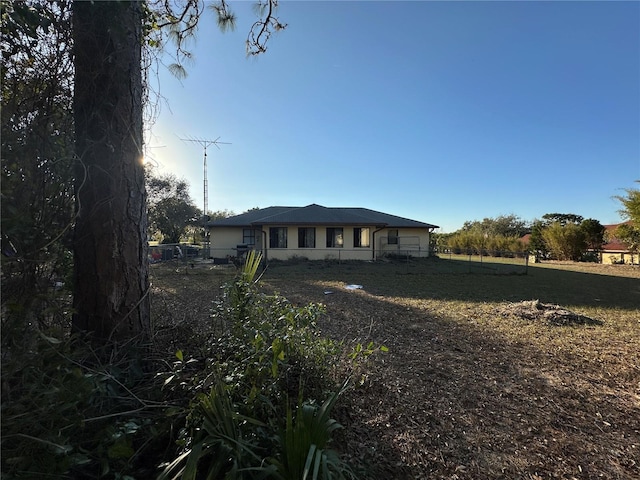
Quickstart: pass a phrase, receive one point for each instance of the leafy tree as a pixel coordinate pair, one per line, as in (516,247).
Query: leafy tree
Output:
(464,242)
(161,187)
(630,236)
(629,232)
(565,242)
(172,216)
(594,233)
(220,214)
(171,209)
(37,155)
(504,225)
(441,241)
(562,218)
(631,205)
(537,245)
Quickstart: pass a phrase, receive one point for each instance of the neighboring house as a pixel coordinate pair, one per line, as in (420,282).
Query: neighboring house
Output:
(615,251)
(524,241)
(316,232)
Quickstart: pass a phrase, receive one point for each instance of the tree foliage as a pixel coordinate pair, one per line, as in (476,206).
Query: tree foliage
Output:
(629,232)
(171,209)
(630,236)
(504,225)
(176,23)
(470,242)
(37,156)
(565,242)
(631,205)
(562,218)
(220,214)
(594,233)
(537,245)
(490,236)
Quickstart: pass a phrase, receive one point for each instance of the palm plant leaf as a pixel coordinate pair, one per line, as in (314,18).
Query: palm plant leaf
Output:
(304,454)
(251,265)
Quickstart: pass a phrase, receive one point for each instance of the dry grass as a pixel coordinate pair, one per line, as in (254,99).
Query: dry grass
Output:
(471,388)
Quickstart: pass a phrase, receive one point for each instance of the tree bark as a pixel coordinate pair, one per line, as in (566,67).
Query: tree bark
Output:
(110,245)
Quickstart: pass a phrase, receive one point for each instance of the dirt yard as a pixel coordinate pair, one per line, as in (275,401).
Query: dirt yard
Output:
(487,376)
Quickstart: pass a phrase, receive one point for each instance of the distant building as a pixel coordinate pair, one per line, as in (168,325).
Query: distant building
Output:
(616,251)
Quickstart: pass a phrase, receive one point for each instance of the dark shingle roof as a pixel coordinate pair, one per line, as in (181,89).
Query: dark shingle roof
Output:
(318,215)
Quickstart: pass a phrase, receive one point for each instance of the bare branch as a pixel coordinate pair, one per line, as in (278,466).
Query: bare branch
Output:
(262,29)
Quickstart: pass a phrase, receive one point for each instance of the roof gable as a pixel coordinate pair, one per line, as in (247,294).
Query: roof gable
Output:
(318,215)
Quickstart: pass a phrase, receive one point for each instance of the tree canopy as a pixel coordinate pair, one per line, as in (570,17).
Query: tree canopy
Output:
(504,225)
(629,232)
(565,242)
(631,205)
(594,233)
(562,218)
(171,209)
(37,154)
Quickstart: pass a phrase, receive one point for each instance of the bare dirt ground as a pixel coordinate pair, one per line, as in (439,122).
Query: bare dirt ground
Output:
(487,376)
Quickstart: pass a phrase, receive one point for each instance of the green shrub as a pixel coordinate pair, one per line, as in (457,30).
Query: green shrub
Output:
(225,444)
(304,451)
(268,359)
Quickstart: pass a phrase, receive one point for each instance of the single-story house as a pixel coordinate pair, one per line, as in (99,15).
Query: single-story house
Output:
(316,232)
(615,251)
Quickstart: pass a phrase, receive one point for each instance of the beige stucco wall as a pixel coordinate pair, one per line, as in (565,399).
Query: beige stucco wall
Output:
(412,241)
(618,257)
(224,241)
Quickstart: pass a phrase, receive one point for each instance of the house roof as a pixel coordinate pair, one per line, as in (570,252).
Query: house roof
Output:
(318,215)
(526,238)
(614,244)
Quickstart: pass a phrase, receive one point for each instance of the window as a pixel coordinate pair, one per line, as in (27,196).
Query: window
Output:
(278,237)
(306,238)
(361,237)
(249,236)
(334,237)
(392,237)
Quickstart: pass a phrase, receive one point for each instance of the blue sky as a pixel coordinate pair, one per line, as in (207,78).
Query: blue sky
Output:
(437,111)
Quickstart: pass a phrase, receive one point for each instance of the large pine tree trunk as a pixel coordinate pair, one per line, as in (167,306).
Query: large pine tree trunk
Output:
(111,270)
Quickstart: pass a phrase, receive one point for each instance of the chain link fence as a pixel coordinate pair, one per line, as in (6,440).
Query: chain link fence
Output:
(437,261)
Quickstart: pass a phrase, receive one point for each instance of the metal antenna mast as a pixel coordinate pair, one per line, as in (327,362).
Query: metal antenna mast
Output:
(205,143)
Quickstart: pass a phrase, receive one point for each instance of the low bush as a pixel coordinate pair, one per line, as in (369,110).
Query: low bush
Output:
(66,415)
(249,405)
(266,361)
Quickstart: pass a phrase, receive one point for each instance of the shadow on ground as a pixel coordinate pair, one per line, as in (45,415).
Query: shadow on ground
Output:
(443,280)
(454,398)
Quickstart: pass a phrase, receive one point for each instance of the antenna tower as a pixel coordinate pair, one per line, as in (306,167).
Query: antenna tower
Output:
(205,144)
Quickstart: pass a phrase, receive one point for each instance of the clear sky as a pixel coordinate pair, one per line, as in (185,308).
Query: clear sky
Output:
(437,111)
